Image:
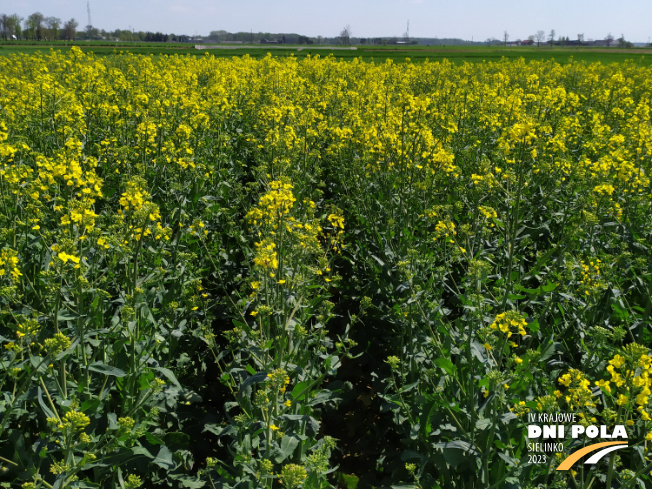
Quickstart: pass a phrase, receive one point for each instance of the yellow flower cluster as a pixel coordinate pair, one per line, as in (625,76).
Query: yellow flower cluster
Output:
(509,323)
(592,281)
(72,420)
(65,257)
(266,255)
(445,229)
(55,345)
(628,387)
(292,476)
(273,205)
(578,394)
(488,212)
(336,222)
(9,264)
(630,378)
(279,380)
(134,198)
(143,215)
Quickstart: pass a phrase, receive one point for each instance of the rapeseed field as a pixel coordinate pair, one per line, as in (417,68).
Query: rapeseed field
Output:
(204,261)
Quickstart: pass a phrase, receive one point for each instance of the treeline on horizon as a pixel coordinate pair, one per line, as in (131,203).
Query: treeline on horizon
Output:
(39,27)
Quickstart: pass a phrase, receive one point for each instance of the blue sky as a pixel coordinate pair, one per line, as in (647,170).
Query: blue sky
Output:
(467,19)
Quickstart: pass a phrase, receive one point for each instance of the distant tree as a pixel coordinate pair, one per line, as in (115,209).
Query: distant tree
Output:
(52,26)
(34,26)
(155,37)
(580,39)
(91,32)
(69,29)
(4,20)
(218,36)
(120,35)
(345,35)
(551,36)
(624,44)
(505,37)
(540,36)
(15,25)
(609,39)
(9,26)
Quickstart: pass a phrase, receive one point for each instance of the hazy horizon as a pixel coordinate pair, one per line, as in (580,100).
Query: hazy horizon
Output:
(470,19)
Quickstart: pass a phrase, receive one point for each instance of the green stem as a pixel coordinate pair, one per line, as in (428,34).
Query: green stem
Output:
(610,471)
(8,461)
(47,393)
(513,230)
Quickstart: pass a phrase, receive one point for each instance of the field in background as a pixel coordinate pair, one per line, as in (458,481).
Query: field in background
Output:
(456,54)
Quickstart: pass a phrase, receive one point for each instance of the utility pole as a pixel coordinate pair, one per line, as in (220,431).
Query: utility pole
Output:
(88,11)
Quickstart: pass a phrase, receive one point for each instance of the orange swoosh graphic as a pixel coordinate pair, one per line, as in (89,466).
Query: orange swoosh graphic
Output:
(578,454)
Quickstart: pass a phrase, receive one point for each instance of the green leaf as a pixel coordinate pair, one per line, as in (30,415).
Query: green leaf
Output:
(164,458)
(254,379)
(299,392)
(153,439)
(48,412)
(105,369)
(112,418)
(90,406)
(457,451)
(38,363)
(177,439)
(145,380)
(311,424)
(167,373)
(426,426)
(520,288)
(515,297)
(533,326)
(288,444)
(409,387)
(446,365)
(139,450)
